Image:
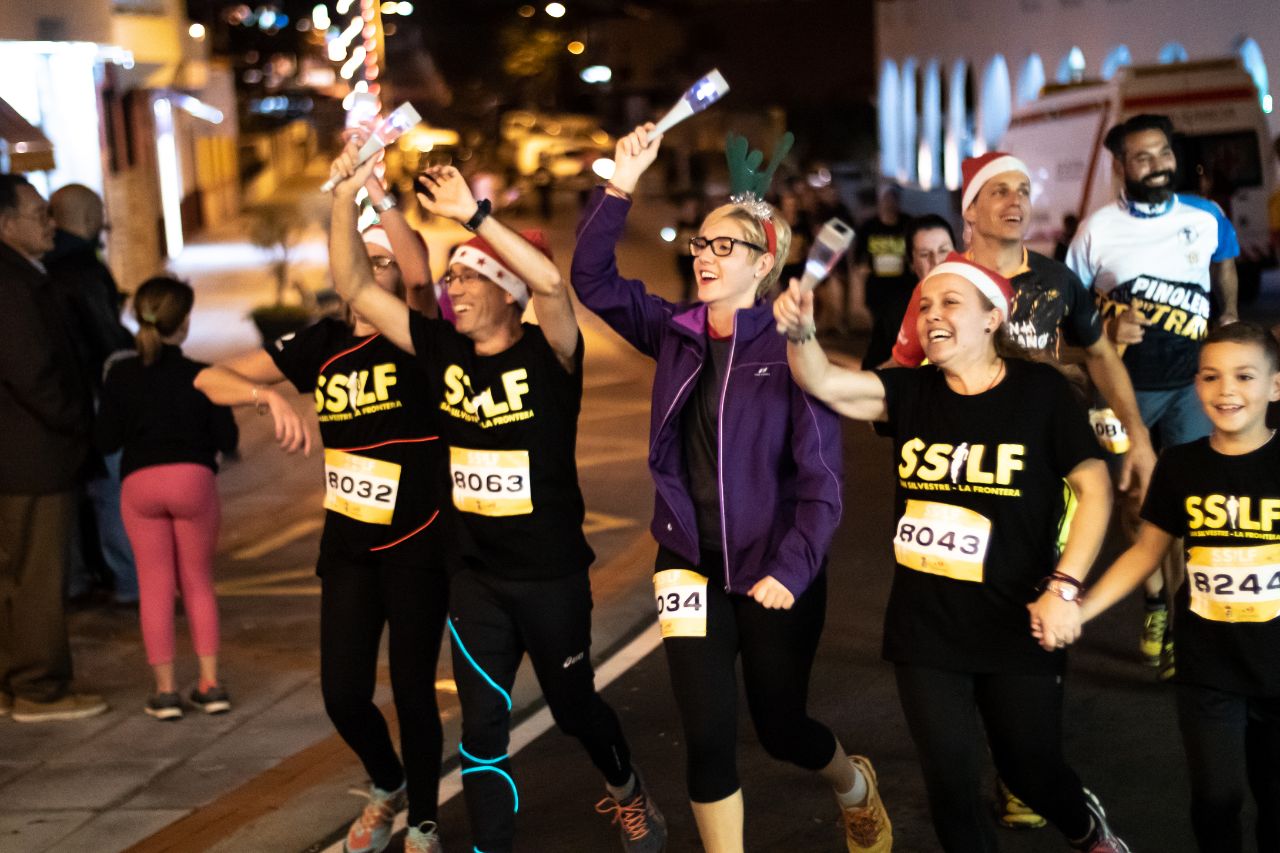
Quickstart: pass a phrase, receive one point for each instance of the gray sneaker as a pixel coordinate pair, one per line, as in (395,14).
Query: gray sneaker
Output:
(641,826)
(73,706)
(164,706)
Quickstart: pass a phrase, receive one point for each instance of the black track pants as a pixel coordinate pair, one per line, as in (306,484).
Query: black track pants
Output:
(494,623)
(355,602)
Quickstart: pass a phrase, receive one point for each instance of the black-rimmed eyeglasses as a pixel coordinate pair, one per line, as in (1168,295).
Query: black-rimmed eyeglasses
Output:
(721,247)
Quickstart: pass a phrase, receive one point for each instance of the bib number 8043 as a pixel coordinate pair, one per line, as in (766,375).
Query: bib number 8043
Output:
(924,536)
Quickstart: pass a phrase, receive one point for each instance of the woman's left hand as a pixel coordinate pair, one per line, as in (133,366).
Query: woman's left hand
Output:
(1054,622)
(771,594)
(451,196)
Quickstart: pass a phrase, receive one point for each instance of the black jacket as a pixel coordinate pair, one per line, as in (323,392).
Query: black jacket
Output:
(88,291)
(43,411)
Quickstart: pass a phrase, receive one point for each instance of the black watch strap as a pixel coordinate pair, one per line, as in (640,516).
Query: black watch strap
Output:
(482,211)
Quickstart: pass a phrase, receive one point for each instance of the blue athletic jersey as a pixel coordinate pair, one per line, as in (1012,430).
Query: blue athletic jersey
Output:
(1155,258)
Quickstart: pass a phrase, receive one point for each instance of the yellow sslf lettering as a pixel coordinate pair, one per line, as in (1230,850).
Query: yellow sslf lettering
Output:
(1008,460)
(910,457)
(337,394)
(937,462)
(973,470)
(453,384)
(513,382)
(384,376)
(1215,512)
(1195,518)
(1269,513)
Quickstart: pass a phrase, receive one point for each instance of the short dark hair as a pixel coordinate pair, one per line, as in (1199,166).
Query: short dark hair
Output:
(1136,124)
(928,222)
(9,191)
(1244,332)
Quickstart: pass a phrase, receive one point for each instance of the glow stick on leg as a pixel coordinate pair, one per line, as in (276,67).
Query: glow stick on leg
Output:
(700,95)
(391,129)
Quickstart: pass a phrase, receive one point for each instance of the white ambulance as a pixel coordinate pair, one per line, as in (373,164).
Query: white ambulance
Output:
(1222,142)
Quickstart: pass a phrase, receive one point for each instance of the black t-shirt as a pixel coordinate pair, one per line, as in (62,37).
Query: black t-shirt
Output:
(1227,508)
(158,417)
(699,432)
(883,248)
(979,503)
(1048,298)
(511,423)
(384,460)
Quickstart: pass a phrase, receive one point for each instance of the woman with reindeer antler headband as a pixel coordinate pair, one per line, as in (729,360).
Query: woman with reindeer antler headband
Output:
(747,469)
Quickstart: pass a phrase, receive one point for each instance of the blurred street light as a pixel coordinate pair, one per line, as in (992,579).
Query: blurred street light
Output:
(555,10)
(576,47)
(526,11)
(196,31)
(596,74)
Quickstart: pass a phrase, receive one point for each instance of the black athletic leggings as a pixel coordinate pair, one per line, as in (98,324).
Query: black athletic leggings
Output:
(1232,743)
(494,622)
(356,600)
(777,649)
(946,712)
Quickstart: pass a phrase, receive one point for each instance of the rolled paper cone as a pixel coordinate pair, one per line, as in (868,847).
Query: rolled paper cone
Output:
(697,98)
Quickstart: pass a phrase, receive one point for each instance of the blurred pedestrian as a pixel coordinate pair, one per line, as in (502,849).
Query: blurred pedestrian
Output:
(170,435)
(881,260)
(87,288)
(42,417)
(1070,225)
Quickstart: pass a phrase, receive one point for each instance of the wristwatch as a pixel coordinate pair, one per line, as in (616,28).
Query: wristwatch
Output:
(482,211)
(388,202)
(1065,591)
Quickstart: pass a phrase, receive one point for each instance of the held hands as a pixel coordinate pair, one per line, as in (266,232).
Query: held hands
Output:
(291,432)
(771,594)
(634,153)
(1054,622)
(1128,327)
(450,196)
(348,175)
(793,311)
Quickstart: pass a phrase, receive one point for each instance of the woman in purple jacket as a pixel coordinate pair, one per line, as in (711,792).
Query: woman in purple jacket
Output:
(748,496)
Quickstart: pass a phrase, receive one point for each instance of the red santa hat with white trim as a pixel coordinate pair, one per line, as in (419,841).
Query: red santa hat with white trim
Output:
(976,171)
(997,288)
(478,255)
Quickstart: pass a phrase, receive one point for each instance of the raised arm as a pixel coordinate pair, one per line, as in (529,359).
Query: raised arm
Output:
(856,394)
(1223,277)
(352,273)
(242,382)
(410,250)
(451,197)
(1112,379)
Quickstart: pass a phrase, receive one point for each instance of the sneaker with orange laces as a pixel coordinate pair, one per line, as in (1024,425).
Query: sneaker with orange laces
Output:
(641,826)
(371,832)
(866,827)
(423,838)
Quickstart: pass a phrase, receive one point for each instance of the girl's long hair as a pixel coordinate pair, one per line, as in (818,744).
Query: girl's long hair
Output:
(160,304)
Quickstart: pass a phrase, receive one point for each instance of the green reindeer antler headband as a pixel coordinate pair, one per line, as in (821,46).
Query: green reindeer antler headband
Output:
(748,185)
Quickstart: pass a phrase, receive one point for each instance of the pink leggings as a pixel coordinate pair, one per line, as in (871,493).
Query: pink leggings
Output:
(171,514)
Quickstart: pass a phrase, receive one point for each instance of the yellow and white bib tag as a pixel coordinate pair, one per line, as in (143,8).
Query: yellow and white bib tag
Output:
(491,482)
(1235,584)
(682,602)
(359,487)
(1109,430)
(941,539)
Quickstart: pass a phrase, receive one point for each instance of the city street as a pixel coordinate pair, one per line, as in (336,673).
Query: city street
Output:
(271,775)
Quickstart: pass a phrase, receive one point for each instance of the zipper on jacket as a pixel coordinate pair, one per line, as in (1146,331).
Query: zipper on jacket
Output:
(663,423)
(724,391)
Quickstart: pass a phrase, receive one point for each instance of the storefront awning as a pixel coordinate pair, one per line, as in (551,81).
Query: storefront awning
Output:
(23,148)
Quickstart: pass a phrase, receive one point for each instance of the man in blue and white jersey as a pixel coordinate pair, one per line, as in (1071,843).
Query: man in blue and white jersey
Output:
(1154,258)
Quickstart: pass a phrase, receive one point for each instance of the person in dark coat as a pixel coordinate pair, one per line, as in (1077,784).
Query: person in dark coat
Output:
(43,419)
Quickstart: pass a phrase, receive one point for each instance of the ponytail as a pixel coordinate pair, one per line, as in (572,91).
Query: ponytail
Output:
(161,304)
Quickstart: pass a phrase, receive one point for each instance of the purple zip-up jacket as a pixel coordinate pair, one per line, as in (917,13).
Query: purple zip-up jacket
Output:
(779,449)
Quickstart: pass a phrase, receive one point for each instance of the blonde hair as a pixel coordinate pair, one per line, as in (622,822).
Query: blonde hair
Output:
(754,229)
(160,304)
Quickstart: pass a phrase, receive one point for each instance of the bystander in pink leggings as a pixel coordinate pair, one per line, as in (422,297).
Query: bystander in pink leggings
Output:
(171,514)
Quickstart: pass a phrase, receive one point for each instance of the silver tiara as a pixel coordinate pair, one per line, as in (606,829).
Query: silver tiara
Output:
(756,206)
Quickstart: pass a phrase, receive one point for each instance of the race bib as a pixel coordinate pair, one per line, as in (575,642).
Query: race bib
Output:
(359,487)
(888,266)
(682,602)
(941,539)
(1235,584)
(1109,430)
(491,482)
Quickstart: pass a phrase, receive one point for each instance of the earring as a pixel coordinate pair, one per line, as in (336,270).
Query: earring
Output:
(988,331)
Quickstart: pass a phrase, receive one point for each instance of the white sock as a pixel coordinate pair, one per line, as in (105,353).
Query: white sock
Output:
(622,792)
(855,796)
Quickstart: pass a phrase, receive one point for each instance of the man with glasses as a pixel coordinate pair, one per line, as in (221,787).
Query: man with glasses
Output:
(43,415)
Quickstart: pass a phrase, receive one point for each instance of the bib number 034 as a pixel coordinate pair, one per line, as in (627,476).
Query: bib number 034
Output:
(681,596)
